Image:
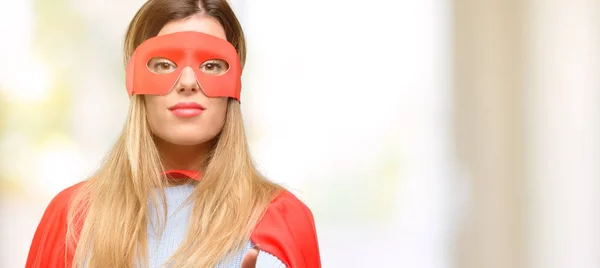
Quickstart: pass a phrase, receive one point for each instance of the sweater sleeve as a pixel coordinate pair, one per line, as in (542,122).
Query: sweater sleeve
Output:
(266,260)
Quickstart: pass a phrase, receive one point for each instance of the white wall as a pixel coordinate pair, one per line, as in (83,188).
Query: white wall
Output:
(564,124)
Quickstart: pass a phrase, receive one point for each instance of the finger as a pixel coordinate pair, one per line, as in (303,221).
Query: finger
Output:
(249,260)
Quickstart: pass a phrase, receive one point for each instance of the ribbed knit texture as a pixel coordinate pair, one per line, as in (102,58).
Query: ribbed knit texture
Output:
(160,249)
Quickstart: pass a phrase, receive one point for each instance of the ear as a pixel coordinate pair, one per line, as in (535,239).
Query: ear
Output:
(129,74)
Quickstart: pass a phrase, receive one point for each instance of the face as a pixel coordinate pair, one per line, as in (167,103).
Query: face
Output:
(185,115)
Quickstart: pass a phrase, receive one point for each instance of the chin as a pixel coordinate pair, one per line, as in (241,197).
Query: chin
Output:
(188,141)
(185,136)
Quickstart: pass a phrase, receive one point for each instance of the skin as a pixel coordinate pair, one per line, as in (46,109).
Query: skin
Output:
(182,142)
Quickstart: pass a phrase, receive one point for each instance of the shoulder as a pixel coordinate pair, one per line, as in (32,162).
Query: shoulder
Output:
(48,244)
(59,205)
(292,210)
(287,231)
(63,198)
(285,200)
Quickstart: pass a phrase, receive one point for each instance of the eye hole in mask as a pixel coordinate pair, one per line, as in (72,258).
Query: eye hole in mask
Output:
(161,65)
(214,67)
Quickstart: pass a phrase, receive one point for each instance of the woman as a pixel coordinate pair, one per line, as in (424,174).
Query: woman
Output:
(179,188)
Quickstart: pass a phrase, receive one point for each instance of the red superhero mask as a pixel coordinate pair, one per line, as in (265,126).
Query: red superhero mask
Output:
(157,64)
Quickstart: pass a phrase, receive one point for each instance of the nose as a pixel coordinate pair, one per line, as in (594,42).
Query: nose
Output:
(187,83)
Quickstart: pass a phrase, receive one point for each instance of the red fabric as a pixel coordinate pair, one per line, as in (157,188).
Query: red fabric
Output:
(180,173)
(180,50)
(287,231)
(48,247)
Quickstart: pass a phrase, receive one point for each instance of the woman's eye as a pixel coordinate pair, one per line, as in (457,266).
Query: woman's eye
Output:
(161,66)
(214,67)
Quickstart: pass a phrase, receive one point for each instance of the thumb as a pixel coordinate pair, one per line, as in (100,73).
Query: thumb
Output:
(249,260)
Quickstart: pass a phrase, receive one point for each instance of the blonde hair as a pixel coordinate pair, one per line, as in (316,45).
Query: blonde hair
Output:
(107,222)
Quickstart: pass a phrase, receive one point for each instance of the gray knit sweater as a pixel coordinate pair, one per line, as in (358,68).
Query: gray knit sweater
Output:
(161,248)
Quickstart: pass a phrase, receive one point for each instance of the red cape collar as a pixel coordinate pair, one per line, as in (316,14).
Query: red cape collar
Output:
(182,174)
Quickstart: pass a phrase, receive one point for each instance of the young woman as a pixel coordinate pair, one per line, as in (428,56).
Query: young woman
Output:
(179,188)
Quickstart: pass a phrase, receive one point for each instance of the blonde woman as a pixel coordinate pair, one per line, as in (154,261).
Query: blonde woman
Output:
(179,188)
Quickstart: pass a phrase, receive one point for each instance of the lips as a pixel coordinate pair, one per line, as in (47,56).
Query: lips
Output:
(186,109)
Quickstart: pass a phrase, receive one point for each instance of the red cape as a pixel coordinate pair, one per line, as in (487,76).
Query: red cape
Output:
(287,231)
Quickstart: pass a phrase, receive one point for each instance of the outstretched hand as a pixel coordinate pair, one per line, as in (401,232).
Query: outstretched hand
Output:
(249,260)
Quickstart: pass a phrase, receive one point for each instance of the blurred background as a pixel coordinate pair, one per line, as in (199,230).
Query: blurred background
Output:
(430,133)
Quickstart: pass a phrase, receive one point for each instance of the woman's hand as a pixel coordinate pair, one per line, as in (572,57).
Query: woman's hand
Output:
(249,260)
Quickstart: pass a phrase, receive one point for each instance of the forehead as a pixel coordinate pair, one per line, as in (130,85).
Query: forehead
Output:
(196,23)
(187,45)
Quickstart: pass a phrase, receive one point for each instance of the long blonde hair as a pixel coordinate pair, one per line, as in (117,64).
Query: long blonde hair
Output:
(107,222)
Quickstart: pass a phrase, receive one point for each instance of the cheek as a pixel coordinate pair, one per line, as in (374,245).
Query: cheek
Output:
(154,111)
(219,107)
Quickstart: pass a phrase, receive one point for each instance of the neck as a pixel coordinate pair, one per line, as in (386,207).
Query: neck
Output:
(183,157)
